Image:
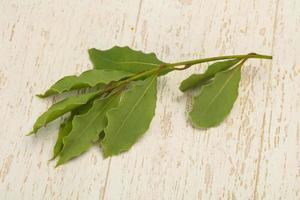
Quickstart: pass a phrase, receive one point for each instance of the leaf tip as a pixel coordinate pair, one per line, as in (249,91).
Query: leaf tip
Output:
(47,94)
(182,88)
(52,158)
(41,95)
(202,124)
(31,133)
(105,155)
(59,163)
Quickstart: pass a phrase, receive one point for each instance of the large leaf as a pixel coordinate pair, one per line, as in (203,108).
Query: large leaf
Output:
(215,100)
(123,59)
(131,118)
(66,127)
(60,108)
(88,78)
(86,129)
(202,79)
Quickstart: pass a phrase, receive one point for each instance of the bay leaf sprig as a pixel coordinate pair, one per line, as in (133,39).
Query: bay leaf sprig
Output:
(120,107)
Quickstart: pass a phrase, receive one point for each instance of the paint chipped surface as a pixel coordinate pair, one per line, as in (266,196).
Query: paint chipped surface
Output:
(5,167)
(3,80)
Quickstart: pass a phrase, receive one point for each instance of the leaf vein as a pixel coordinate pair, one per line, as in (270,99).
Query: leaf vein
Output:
(91,121)
(129,62)
(219,92)
(133,108)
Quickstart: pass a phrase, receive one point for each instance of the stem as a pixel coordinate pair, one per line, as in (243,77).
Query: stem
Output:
(190,63)
(198,61)
(134,77)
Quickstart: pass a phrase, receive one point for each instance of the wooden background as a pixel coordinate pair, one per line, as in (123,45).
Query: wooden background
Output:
(254,154)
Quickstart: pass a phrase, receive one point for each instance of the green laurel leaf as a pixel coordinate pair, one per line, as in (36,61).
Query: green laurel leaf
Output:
(60,108)
(88,78)
(66,127)
(202,79)
(131,118)
(123,59)
(86,129)
(216,100)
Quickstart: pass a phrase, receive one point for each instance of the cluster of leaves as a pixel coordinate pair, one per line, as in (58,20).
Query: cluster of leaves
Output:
(119,108)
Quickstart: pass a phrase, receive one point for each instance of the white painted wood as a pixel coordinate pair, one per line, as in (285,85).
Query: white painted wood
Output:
(254,154)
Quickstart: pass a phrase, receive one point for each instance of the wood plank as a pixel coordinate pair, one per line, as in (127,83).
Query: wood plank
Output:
(42,41)
(174,160)
(279,169)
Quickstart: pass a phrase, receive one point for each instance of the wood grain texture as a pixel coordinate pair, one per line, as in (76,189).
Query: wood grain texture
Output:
(254,154)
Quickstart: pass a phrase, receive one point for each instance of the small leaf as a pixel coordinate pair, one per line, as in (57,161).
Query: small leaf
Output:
(202,79)
(215,100)
(61,108)
(131,118)
(88,78)
(64,130)
(87,128)
(123,59)
(66,127)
